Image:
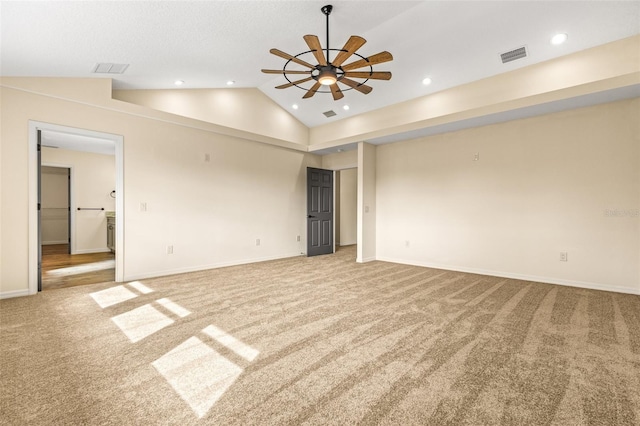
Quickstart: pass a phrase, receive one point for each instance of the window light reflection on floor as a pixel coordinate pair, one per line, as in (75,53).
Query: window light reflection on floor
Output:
(230,342)
(198,373)
(112,296)
(141,322)
(140,287)
(174,308)
(83,269)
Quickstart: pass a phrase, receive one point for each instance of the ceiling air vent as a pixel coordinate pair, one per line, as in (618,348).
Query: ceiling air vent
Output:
(514,54)
(108,68)
(329,113)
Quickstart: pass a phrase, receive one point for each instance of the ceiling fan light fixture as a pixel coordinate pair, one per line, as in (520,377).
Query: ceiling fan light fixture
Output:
(331,72)
(327,77)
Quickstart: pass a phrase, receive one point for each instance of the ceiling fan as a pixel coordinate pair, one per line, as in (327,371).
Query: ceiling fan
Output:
(330,72)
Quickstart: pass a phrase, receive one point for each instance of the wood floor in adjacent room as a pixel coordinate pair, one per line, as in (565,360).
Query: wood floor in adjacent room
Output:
(60,269)
(321,340)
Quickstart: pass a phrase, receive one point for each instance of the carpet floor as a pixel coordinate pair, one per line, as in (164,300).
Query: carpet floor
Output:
(321,340)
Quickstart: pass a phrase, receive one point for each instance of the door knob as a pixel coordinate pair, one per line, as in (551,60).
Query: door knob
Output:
(309,216)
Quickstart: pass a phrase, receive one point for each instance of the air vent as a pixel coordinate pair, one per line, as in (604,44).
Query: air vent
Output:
(329,113)
(514,54)
(108,68)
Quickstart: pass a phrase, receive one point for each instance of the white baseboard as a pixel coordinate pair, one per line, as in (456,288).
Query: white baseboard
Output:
(176,271)
(88,251)
(366,259)
(14,293)
(515,276)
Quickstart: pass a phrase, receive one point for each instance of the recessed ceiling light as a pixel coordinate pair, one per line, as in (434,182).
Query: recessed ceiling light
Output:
(559,38)
(294,106)
(178,82)
(426,81)
(346,107)
(230,83)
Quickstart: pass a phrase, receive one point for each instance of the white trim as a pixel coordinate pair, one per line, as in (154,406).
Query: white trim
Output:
(34,126)
(13,293)
(516,276)
(168,272)
(366,259)
(53,243)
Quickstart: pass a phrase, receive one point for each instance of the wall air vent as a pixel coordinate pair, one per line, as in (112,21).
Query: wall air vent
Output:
(514,54)
(108,68)
(329,113)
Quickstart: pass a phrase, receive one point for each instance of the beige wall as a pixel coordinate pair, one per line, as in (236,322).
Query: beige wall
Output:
(367,199)
(348,207)
(210,211)
(541,186)
(340,160)
(246,109)
(93,179)
(601,68)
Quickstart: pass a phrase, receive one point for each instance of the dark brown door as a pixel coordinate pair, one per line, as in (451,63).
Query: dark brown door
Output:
(319,211)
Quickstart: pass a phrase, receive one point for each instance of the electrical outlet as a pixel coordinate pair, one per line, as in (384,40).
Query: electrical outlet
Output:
(298,238)
(207,158)
(257,241)
(406,243)
(169,249)
(143,207)
(564,256)
(476,156)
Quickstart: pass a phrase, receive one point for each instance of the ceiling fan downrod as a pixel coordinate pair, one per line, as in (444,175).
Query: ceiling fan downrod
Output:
(327,11)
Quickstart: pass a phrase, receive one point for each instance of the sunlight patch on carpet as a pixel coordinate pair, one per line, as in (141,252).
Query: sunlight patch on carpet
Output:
(173,307)
(83,269)
(112,296)
(198,373)
(140,287)
(141,322)
(230,342)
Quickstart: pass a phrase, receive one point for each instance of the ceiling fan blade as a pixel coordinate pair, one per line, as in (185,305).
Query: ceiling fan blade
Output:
(314,45)
(291,58)
(336,92)
(362,88)
(378,58)
(354,43)
(293,83)
(375,75)
(312,91)
(285,72)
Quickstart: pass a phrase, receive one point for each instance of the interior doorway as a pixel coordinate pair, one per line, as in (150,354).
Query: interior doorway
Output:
(95,189)
(346,207)
(61,265)
(320,218)
(55,184)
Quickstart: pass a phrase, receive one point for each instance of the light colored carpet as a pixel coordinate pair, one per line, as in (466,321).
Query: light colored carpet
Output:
(321,340)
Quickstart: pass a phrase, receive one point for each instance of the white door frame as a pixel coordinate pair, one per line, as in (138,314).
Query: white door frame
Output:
(34,126)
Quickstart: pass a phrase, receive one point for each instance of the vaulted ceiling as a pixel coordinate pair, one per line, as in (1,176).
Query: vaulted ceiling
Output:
(208,43)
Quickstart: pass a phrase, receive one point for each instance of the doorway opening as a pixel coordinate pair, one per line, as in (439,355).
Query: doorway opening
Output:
(91,162)
(346,207)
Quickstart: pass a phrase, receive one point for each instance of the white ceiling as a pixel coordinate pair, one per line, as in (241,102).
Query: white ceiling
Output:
(207,43)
